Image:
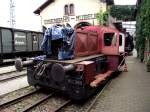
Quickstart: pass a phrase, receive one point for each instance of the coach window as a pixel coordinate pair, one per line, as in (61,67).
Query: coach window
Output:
(66,9)
(108,37)
(71,9)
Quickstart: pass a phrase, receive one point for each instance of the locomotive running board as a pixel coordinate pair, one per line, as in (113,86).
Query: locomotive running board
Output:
(76,60)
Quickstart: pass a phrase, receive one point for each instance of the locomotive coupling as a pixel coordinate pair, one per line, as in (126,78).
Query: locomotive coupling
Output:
(19,64)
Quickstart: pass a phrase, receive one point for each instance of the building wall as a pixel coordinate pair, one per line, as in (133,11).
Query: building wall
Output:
(85,11)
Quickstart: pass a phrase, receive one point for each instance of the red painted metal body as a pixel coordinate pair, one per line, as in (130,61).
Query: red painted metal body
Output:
(86,43)
(90,41)
(113,62)
(89,69)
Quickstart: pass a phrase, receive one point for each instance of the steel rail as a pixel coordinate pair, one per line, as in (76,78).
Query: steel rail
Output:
(5,104)
(11,71)
(97,96)
(11,77)
(37,103)
(63,105)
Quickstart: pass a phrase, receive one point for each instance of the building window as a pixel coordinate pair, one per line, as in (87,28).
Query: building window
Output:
(66,10)
(71,9)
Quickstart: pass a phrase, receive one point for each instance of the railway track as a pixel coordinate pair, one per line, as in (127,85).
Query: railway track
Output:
(48,99)
(13,105)
(7,69)
(12,75)
(15,100)
(85,106)
(63,106)
(28,101)
(51,102)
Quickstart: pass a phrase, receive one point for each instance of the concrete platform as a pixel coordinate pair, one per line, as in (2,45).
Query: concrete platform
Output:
(129,92)
(7,69)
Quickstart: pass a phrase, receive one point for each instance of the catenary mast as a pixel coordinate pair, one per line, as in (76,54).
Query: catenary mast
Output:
(12,14)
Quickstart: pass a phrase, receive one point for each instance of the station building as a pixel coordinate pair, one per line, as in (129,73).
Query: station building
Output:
(74,12)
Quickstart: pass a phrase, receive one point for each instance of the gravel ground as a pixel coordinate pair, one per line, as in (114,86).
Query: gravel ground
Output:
(50,105)
(25,102)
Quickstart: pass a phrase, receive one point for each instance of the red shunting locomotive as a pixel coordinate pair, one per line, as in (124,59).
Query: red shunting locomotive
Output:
(98,52)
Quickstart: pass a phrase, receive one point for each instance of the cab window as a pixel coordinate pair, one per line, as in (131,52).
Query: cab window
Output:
(110,39)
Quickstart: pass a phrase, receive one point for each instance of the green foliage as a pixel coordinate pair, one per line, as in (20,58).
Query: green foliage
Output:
(102,17)
(99,17)
(105,17)
(143,26)
(122,12)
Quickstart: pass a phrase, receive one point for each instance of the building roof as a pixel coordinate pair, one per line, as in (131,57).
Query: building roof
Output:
(45,4)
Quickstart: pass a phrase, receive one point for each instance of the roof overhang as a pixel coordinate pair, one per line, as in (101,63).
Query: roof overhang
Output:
(43,6)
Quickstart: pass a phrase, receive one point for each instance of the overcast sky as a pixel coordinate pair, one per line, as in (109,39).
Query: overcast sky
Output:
(25,18)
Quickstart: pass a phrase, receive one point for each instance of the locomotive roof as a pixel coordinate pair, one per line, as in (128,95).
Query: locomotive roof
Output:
(100,29)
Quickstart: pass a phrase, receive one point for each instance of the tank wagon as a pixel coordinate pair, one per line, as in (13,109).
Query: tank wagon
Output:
(78,71)
(19,43)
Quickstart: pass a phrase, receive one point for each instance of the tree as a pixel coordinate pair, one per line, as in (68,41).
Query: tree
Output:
(142,27)
(102,17)
(121,12)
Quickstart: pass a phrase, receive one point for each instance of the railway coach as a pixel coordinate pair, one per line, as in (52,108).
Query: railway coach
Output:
(19,43)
